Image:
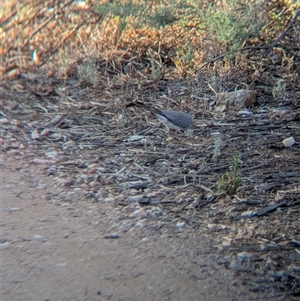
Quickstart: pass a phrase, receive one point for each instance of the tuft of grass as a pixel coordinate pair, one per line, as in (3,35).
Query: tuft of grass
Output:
(217,145)
(233,24)
(229,182)
(189,132)
(87,72)
(279,90)
(184,57)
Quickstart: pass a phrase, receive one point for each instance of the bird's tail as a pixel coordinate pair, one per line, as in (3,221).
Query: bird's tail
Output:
(143,106)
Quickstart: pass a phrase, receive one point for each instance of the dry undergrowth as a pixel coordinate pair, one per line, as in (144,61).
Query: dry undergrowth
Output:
(65,58)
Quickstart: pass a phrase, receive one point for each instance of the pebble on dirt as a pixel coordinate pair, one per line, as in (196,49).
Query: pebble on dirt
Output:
(289,142)
(34,135)
(139,213)
(112,236)
(180,225)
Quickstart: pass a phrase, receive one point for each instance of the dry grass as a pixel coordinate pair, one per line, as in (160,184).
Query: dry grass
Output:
(59,35)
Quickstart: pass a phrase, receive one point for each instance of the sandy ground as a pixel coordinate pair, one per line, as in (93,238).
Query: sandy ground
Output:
(53,251)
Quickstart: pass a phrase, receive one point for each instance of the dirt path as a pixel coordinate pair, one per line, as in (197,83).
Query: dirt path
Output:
(56,251)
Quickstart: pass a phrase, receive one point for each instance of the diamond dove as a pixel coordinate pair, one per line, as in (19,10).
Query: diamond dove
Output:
(175,120)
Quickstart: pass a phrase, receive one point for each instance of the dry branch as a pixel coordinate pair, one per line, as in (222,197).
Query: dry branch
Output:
(282,35)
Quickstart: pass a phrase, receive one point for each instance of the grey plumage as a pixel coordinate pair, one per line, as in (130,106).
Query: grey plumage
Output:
(173,119)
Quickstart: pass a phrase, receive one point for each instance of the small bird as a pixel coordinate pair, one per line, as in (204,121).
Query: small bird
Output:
(175,120)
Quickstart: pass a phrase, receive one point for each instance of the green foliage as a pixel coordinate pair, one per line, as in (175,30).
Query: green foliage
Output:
(235,24)
(230,182)
(184,57)
(155,14)
(232,24)
(122,10)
